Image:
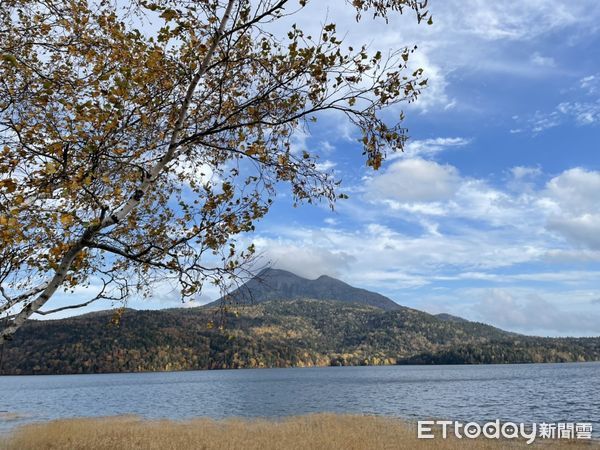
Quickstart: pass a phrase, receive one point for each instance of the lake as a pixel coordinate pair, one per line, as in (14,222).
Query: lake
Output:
(528,393)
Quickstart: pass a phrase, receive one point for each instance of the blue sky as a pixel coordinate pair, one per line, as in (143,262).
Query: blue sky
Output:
(493,211)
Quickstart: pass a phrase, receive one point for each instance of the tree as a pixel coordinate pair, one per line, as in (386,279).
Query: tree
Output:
(138,139)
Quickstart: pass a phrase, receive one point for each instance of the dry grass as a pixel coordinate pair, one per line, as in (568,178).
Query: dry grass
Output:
(322,431)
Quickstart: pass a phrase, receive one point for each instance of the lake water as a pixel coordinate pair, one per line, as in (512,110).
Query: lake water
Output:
(528,393)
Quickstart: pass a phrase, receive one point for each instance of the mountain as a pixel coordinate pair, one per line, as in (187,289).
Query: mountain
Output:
(290,333)
(275,284)
(276,319)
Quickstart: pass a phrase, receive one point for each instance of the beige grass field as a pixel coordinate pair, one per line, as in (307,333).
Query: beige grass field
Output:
(322,431)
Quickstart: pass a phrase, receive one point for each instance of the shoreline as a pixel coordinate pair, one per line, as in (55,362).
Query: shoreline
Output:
(216,369)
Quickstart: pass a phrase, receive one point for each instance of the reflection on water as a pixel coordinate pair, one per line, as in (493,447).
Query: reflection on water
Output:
(529,393)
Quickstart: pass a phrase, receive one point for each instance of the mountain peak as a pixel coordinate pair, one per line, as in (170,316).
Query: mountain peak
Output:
(278,284)
(270,271)
(327,277)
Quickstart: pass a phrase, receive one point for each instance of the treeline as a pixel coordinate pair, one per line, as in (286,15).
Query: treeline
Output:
(272,334)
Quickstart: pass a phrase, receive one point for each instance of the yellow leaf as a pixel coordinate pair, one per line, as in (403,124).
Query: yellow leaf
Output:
(169,14)
(51,168)
(66,219)
(10,58)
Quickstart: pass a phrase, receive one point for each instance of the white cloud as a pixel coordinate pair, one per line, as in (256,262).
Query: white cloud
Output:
(420,189)
(575,191)
(584,229)
(202,173)
(566,277)
(529,223)
(522,179)
(501,20)
(382,258)
(430,147)
(571,255)
(541,121)
(303,259)
(585,111)
(533,312)
(539,310)
(522,172)
(299,141)
(326,147)
(435,95)
(566,206)
(414,180)
(542,61)
(326,165)
(590,84)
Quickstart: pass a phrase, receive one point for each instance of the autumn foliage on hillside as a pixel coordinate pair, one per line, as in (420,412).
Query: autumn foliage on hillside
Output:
(295,333)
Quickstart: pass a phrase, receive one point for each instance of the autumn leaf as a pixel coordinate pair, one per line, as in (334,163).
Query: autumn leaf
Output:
(66,220)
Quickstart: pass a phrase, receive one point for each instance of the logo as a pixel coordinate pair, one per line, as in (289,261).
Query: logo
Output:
(426,429)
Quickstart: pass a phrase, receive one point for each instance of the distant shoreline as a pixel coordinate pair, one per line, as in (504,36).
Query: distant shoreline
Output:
(228,369)
(299,367)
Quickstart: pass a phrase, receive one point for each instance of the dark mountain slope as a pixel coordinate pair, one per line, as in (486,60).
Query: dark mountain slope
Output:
(275,284)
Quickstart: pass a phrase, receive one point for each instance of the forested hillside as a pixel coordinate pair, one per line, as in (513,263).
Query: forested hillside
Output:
(272,334)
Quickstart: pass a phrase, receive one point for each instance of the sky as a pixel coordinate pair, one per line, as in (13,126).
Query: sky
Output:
(492,213)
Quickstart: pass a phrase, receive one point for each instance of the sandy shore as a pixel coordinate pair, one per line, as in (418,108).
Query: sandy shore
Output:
(321,431)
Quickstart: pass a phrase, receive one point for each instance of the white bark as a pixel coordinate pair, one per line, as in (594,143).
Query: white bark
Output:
(13,301)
